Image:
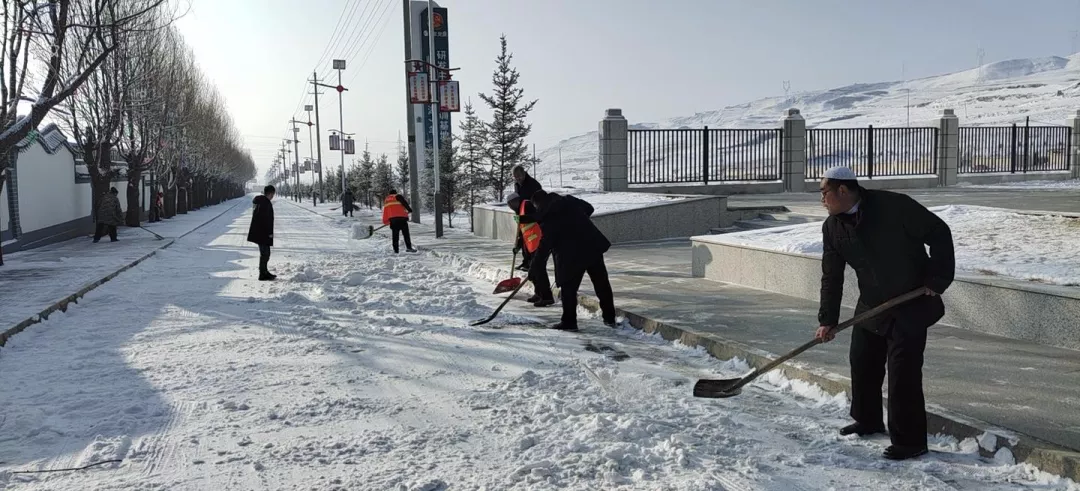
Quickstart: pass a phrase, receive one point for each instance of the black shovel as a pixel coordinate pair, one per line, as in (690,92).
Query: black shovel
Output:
(717,388)
(496,312)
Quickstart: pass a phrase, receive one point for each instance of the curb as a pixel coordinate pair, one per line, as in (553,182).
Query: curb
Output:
(1046,456)
(62,304)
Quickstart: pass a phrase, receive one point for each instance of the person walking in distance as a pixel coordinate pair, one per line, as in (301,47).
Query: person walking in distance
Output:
(568,232)
(347,201)
(261,231)
(883,237)
(395,213)
(109,216)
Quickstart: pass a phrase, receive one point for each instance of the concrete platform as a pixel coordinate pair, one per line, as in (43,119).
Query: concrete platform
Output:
(1025,393)
(1044,314)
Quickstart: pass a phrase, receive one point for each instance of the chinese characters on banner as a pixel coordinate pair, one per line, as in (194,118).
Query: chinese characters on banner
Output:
(442,60)
(418,88)
(449,96)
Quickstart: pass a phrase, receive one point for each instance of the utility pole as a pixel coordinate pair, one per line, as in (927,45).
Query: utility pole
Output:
(318,135)
(435,136)
(414,173)
(311,156)
(339,65)
(296,157)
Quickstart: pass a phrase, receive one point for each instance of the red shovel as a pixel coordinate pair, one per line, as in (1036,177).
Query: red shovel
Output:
(511,283)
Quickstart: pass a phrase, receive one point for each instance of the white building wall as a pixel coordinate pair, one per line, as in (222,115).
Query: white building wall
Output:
(4,214)
(48,194)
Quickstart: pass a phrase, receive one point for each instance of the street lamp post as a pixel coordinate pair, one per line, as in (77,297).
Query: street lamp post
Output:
(339,65)
(296,158)
(311,156)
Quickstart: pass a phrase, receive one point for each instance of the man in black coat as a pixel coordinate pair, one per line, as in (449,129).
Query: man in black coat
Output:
(569,233)
(883,237)
(543,296)
(347,201)
(524,184)
(262,230)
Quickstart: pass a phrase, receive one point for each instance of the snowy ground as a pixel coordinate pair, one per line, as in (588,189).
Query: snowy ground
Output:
(988,241)
(357,371)
(605,202)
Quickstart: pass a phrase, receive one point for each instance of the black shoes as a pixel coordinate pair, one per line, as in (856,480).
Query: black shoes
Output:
(533,299)
(610,323)
(902,452)
(565,327)
(544,302)
(860,429)
(410,249)
(267,277)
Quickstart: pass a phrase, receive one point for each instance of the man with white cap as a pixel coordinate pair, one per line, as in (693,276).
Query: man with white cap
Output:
(883,236)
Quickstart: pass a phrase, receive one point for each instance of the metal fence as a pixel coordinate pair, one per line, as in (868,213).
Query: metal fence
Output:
(872,152)
(703,155)
(1012,149)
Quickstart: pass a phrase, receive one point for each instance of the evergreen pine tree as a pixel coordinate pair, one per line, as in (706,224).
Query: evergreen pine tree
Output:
(508,129)
(383,181)
(364,178)
(475,179)
(450,177)
(402,167)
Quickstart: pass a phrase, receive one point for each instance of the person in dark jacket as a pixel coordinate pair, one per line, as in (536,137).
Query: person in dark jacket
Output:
(261,231)
(579,246)
(542,296)
(396,214)
(524,184)
(347,201)
(883,237)
(109,216)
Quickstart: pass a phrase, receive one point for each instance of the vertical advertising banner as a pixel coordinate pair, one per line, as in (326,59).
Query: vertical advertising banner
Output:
(442,60)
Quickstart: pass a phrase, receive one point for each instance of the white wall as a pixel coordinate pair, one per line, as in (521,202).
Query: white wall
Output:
(48,194)
(4,225)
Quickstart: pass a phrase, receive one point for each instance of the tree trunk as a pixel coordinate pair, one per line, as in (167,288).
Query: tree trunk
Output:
(181,200)
(170,202)
(133,217)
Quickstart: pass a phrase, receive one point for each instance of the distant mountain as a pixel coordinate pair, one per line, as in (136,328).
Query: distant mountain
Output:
(1047,90)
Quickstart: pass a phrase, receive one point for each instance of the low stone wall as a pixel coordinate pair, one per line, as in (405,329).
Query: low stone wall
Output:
(1043,314)
(686,217)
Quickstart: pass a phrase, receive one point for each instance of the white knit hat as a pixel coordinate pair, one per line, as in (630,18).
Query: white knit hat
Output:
(840,173)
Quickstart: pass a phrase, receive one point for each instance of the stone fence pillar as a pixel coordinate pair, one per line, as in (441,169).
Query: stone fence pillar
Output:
(793,155)
(948,149)
(613,152)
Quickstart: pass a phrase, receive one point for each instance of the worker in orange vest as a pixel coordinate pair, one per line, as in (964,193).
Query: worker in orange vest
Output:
(395,213)
(529,240)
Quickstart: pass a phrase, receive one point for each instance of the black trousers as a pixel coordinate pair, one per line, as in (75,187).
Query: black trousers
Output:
(571,277)
(901,350)
(103,229)
(347,210)
(538,275)
(400,226)
(264,259)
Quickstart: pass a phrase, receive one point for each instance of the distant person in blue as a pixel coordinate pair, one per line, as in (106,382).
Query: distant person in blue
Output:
(883,236)
(261,231)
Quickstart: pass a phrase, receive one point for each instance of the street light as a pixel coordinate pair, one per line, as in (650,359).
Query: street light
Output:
(339,65)
(318,166)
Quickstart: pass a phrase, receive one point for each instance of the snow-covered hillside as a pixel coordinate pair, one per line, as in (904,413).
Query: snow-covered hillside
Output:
(1045,89)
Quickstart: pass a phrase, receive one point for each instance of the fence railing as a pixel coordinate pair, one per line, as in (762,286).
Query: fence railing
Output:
(872,152)
(1012,149)
(703,155)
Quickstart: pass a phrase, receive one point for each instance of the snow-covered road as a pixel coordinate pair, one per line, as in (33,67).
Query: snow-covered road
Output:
(357,370)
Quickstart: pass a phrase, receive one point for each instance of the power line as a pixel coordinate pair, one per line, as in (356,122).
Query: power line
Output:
(345,39)
(341,17)
(371,49)
(359,42)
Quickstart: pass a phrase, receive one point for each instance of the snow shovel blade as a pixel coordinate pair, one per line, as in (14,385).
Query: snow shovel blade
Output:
(716,389)
(499,309)
(507,285)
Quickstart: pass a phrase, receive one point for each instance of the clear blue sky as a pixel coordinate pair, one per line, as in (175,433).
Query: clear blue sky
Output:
(654,59)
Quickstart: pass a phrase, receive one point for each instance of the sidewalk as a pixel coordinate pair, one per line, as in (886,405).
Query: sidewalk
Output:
(1015,386)
(34,280)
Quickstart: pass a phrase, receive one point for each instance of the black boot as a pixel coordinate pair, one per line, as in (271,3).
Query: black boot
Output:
(902,452)
(533,299)
(564,327)
(544,302)
(861,430)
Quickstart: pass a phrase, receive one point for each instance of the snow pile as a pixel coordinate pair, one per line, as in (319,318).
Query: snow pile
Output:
(988,241)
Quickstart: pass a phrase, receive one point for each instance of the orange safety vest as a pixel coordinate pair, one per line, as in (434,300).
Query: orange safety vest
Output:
(530,231)
(392,208)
